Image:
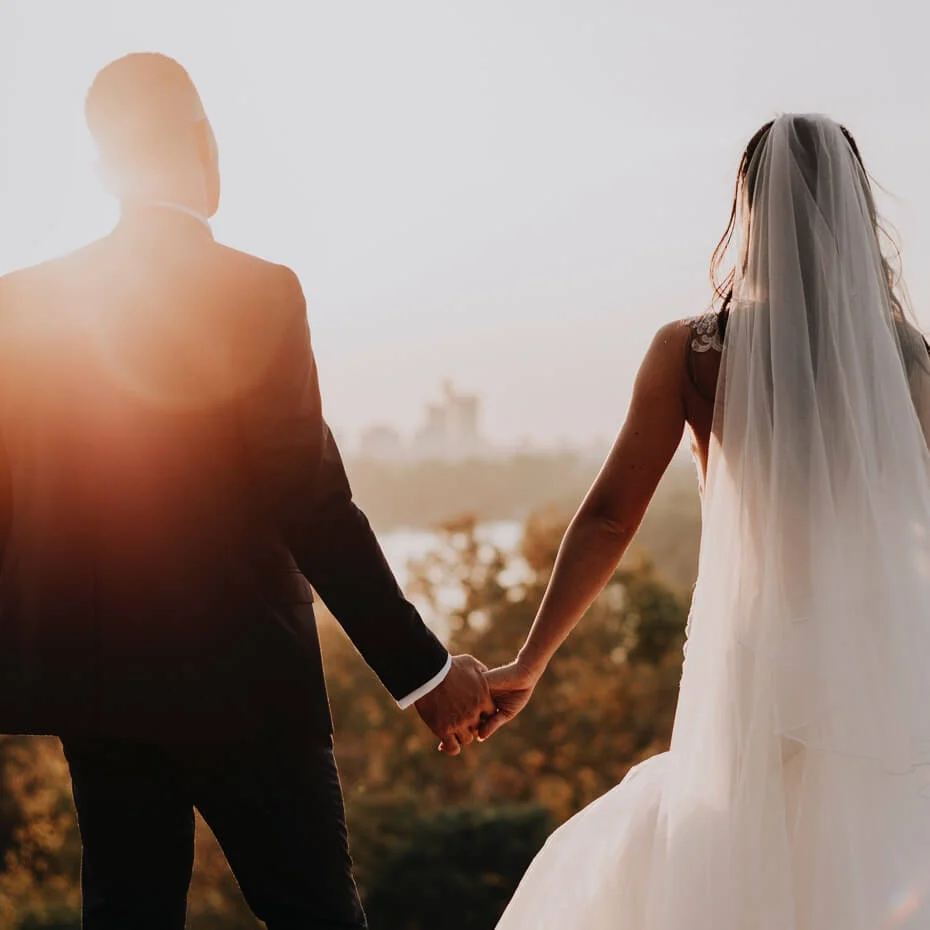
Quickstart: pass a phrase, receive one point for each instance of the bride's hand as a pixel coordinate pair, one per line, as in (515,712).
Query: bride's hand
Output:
(511,687)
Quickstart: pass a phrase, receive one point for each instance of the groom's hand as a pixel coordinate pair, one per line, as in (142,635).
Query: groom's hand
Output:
(454,709)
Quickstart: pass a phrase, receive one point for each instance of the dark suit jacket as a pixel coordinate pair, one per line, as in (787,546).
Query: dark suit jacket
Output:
(168,487)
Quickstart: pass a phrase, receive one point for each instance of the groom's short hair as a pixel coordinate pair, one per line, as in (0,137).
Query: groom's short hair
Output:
(141,107)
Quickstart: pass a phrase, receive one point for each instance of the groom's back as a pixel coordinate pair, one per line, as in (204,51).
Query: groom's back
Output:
(139,569)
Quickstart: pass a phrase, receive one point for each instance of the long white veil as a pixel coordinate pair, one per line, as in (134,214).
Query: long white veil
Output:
(795,793)
(798,794)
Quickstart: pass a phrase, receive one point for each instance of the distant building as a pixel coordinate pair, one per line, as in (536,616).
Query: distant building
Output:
(451,430)
(382,442)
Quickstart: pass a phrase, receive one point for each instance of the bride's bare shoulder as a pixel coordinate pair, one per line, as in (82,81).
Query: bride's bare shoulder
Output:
(686,353)
(702,333)
(676,334)
(666,354)
(678,339)
(702,350)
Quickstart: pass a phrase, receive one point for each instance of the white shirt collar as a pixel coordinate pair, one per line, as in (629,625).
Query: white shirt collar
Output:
(181,208)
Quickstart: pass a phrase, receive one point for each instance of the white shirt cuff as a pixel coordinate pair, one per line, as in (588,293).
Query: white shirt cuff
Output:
(423,690)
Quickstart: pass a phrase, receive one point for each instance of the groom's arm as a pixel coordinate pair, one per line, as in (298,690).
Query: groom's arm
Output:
(342,559)
(299,470)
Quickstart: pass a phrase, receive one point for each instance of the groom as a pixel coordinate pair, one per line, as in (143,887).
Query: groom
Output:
(169,492)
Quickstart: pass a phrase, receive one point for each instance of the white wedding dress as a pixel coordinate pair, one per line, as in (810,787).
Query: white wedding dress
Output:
(795,794)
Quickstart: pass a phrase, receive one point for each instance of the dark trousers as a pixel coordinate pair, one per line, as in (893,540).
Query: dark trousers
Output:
(274,804)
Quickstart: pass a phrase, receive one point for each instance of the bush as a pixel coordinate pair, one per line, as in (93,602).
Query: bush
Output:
(456,869)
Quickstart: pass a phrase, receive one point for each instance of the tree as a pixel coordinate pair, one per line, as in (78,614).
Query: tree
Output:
(457,868)
(38,836)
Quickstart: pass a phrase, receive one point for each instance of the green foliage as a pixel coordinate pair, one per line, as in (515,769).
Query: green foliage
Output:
(41,849)
(70,919)
(456,869)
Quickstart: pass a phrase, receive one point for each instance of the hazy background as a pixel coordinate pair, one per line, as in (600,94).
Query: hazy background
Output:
(511,194)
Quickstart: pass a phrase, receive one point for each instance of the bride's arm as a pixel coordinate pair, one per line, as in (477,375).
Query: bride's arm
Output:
(607,520)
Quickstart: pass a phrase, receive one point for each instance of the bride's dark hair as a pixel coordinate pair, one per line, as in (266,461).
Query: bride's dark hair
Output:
(745,187)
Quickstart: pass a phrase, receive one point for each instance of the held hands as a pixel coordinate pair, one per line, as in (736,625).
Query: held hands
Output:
(454,710)
(511,688)
(474,702)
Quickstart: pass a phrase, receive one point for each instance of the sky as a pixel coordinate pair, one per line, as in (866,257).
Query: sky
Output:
(513,195)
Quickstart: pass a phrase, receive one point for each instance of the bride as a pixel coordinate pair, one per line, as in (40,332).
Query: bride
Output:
(796,792)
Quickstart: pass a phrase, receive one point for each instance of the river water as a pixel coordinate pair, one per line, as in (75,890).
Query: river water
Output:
(403,545)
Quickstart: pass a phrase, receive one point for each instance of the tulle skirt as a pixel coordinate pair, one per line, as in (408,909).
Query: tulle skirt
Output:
(593,871)
(619,865)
